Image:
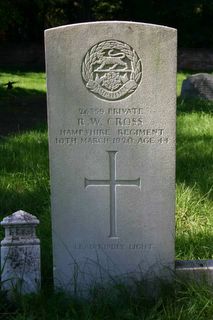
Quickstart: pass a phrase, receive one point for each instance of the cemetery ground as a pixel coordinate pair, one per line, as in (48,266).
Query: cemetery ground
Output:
(24,184)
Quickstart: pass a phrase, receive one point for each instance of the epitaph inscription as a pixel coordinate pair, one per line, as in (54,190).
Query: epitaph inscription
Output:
(111,70)
(113,183)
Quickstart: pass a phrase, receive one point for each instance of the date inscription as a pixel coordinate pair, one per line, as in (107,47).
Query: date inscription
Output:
(111,126)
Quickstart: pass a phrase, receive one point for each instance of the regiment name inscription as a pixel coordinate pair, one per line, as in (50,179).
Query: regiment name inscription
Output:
(128,130)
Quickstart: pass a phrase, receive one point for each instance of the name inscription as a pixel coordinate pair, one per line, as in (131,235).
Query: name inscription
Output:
(111,126)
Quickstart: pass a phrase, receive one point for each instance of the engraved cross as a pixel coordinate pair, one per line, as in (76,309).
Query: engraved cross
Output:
(113,182)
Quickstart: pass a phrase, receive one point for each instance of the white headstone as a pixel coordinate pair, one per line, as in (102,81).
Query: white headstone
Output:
(111,112)
(20,253)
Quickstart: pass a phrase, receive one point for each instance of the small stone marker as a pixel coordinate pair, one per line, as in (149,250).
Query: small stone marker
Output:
(198,86)
(20,253)
(111,105)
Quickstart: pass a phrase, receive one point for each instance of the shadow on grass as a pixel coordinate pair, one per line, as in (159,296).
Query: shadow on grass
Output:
(17,91)
(194,105)
(21,109)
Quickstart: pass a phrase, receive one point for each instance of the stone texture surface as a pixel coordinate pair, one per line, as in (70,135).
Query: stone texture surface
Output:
(198,86)
(111,113)
(20,253)
(196,270)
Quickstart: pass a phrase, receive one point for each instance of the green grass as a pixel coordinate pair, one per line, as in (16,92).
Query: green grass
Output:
(24,184)
(26,83)
(194,178)
(180,301)
(181,76)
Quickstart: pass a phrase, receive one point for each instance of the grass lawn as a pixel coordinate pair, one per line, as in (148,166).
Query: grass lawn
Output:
(24,184)
(25,83)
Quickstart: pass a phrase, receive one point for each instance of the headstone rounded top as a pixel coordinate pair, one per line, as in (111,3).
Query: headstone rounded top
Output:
(108,23)
(20,217)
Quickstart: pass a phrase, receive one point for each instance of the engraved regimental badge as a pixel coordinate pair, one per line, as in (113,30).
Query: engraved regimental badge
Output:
(111,70)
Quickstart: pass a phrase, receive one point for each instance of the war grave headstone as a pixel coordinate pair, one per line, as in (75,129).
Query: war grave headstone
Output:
(111,117)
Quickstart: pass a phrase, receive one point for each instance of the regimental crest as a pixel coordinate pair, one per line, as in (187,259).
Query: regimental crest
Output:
(111,70)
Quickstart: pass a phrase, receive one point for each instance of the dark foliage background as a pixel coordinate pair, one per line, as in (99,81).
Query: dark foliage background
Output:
(25,20)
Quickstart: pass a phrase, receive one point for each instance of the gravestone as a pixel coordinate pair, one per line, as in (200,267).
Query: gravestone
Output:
(20,254)
(198,86)
(111,114)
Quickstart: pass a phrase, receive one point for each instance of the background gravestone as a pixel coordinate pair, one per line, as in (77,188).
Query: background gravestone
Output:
(198,86)
(111,112)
